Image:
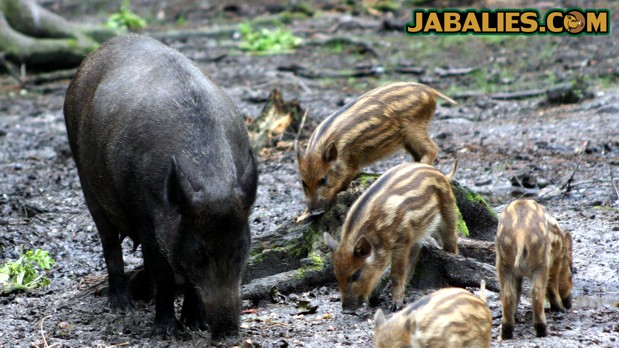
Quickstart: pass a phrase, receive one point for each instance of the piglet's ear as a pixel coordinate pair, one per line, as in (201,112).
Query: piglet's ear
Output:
(379,318)
(363,248)
(330,152)
(298,150)
(410,326)
(330,242)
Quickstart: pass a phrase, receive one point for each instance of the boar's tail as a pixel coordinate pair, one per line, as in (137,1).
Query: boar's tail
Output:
(520,263)
(482,290)
(450,176)
(444,97)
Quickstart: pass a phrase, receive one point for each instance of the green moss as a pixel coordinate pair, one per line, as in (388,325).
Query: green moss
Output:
(366,179)
(601,207)
(474,197)
(461,227)
(318,263)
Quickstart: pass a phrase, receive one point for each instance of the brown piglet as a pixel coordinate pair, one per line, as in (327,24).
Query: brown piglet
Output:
(385,225)
(531,244)
(366,129)
(447,318)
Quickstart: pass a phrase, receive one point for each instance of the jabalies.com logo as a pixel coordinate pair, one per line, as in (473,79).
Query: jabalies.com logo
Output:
(572,21)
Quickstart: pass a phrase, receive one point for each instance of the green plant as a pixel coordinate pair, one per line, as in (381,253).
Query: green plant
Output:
(266,40)
(125,19)
(27,272)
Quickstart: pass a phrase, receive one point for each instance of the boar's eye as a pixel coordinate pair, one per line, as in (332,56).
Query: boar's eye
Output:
(323,181)
(356,276)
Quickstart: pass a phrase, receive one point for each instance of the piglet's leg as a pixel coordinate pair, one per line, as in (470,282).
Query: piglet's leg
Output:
(401,269)
(538,293)
(509,301)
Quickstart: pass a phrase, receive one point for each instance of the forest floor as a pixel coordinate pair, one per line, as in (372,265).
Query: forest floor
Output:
(495,139)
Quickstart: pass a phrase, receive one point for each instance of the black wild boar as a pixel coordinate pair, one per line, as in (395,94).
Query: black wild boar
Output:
(164,158)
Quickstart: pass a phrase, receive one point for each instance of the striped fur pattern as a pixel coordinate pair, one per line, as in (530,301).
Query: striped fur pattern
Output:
(385,225)
(366,129)
(531,244)
(447,318)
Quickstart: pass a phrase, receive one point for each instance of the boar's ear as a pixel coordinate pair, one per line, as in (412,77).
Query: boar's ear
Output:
(330,153)
(299,151)
(363,248)
(379,318)
(330,242)
(249,181)
(409,325)
(176,188)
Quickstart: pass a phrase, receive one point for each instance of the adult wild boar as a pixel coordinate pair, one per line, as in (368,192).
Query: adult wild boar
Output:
(164,158)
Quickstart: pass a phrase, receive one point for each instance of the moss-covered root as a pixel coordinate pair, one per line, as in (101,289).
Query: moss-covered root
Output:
(37,37)
(479,218)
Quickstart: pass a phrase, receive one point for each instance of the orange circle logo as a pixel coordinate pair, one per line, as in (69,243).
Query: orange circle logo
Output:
(574,22)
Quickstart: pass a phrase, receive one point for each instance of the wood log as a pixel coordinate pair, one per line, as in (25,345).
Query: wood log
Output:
(39,38)
(293,258)
(278,120)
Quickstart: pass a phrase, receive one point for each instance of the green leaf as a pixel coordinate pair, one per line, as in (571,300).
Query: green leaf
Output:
(27,272)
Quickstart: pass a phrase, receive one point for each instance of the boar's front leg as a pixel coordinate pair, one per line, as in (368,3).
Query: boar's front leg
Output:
(193,314)
(112,251)
(403,262)
(163,277)
(552,289)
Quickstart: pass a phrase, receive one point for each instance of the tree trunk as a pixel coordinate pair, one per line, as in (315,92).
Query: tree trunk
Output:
(41,39)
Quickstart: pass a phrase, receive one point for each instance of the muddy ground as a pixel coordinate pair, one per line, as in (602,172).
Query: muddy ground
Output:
(41,204)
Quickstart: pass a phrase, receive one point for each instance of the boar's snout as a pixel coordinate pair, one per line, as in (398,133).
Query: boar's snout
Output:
(317,205)
(351,304)
(223,322)
(223,310)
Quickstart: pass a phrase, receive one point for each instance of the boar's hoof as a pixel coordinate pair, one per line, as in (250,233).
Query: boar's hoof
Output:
(193,320)
(507,331)
(540,329)
(396,307)
(226,334)
(166,329)
(120,301)
(567,302)
(557,307)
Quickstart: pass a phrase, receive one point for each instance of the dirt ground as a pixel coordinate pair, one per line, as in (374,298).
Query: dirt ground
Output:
(41,203)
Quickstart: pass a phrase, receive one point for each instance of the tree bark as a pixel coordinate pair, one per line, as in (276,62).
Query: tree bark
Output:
(41,39)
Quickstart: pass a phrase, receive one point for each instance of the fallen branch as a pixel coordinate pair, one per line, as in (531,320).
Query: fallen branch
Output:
(312,74)
(518,95)
(298,280)
(182,35)
(45,345)
(569,180)
(51,77)
(363,47)
(568,183)
(612,180)
(454,72)
(439,268)
(413,70)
